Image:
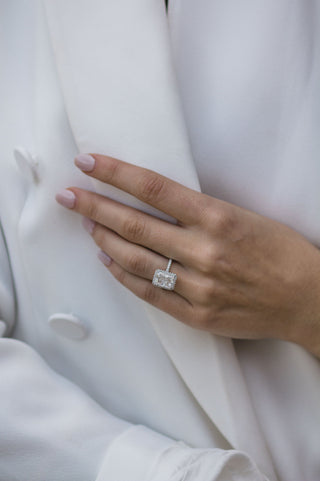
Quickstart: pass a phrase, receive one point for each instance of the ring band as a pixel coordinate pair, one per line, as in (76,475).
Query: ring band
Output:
(165,279)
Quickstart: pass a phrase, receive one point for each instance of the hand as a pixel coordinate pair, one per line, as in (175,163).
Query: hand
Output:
(239,274)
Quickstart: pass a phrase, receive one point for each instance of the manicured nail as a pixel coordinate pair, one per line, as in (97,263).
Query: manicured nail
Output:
(66,198)
(104,258)
(88,224)
(85,162)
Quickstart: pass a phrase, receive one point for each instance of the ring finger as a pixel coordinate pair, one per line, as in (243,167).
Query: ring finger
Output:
(136,259)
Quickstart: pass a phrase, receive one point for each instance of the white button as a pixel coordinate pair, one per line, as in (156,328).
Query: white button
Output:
(68,325)
(3,328)
(28,164)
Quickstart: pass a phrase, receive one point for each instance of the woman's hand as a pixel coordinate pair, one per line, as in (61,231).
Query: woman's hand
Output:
(239,274)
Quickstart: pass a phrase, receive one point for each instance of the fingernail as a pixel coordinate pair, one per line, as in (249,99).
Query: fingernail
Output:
(88,224)
(85,162)
(66,198)
(104,258)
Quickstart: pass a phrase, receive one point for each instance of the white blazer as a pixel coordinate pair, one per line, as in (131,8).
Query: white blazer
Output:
(96,384)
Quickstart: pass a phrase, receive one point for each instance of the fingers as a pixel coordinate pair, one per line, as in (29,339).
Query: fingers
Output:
(176,200)
(167,301)
(135,226)
(137,260)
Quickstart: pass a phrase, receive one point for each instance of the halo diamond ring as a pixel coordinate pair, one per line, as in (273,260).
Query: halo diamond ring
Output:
(165,279)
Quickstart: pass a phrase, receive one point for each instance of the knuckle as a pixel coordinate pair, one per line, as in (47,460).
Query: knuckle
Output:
(151,294)
(224,221)
(152,187)
(134,229)
(137,264)
(98,235)
(208,319)
(204,210)
(113,169)
(205,293)
(92,209)
(207,258)
(200,319)
(120,275)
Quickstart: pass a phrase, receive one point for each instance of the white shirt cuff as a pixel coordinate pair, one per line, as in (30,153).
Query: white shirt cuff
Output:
(140,454)
(134,454)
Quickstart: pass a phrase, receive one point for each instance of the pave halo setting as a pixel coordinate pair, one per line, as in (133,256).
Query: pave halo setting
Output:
(165,279)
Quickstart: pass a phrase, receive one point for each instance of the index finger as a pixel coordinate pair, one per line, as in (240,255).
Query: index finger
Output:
(184,204)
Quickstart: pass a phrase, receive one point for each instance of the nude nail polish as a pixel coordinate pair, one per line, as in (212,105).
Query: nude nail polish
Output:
(104,258)
(85,162)
(66,198)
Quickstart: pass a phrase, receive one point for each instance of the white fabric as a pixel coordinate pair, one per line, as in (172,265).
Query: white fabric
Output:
(253,113)
(98,76)
(173,463)
(7,305)
(249,85)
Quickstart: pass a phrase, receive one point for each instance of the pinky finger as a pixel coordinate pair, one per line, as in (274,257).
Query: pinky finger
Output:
(168,301)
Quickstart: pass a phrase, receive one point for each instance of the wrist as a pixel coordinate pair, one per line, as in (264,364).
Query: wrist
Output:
(306,326)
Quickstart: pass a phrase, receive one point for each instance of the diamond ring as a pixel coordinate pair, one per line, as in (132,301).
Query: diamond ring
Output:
(165,279)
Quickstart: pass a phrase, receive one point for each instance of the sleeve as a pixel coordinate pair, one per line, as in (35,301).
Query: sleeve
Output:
(51,430)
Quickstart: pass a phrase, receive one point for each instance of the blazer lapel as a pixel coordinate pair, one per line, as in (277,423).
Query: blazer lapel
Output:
(114,64)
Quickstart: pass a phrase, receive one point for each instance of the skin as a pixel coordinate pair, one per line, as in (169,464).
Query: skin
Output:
(239,274)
